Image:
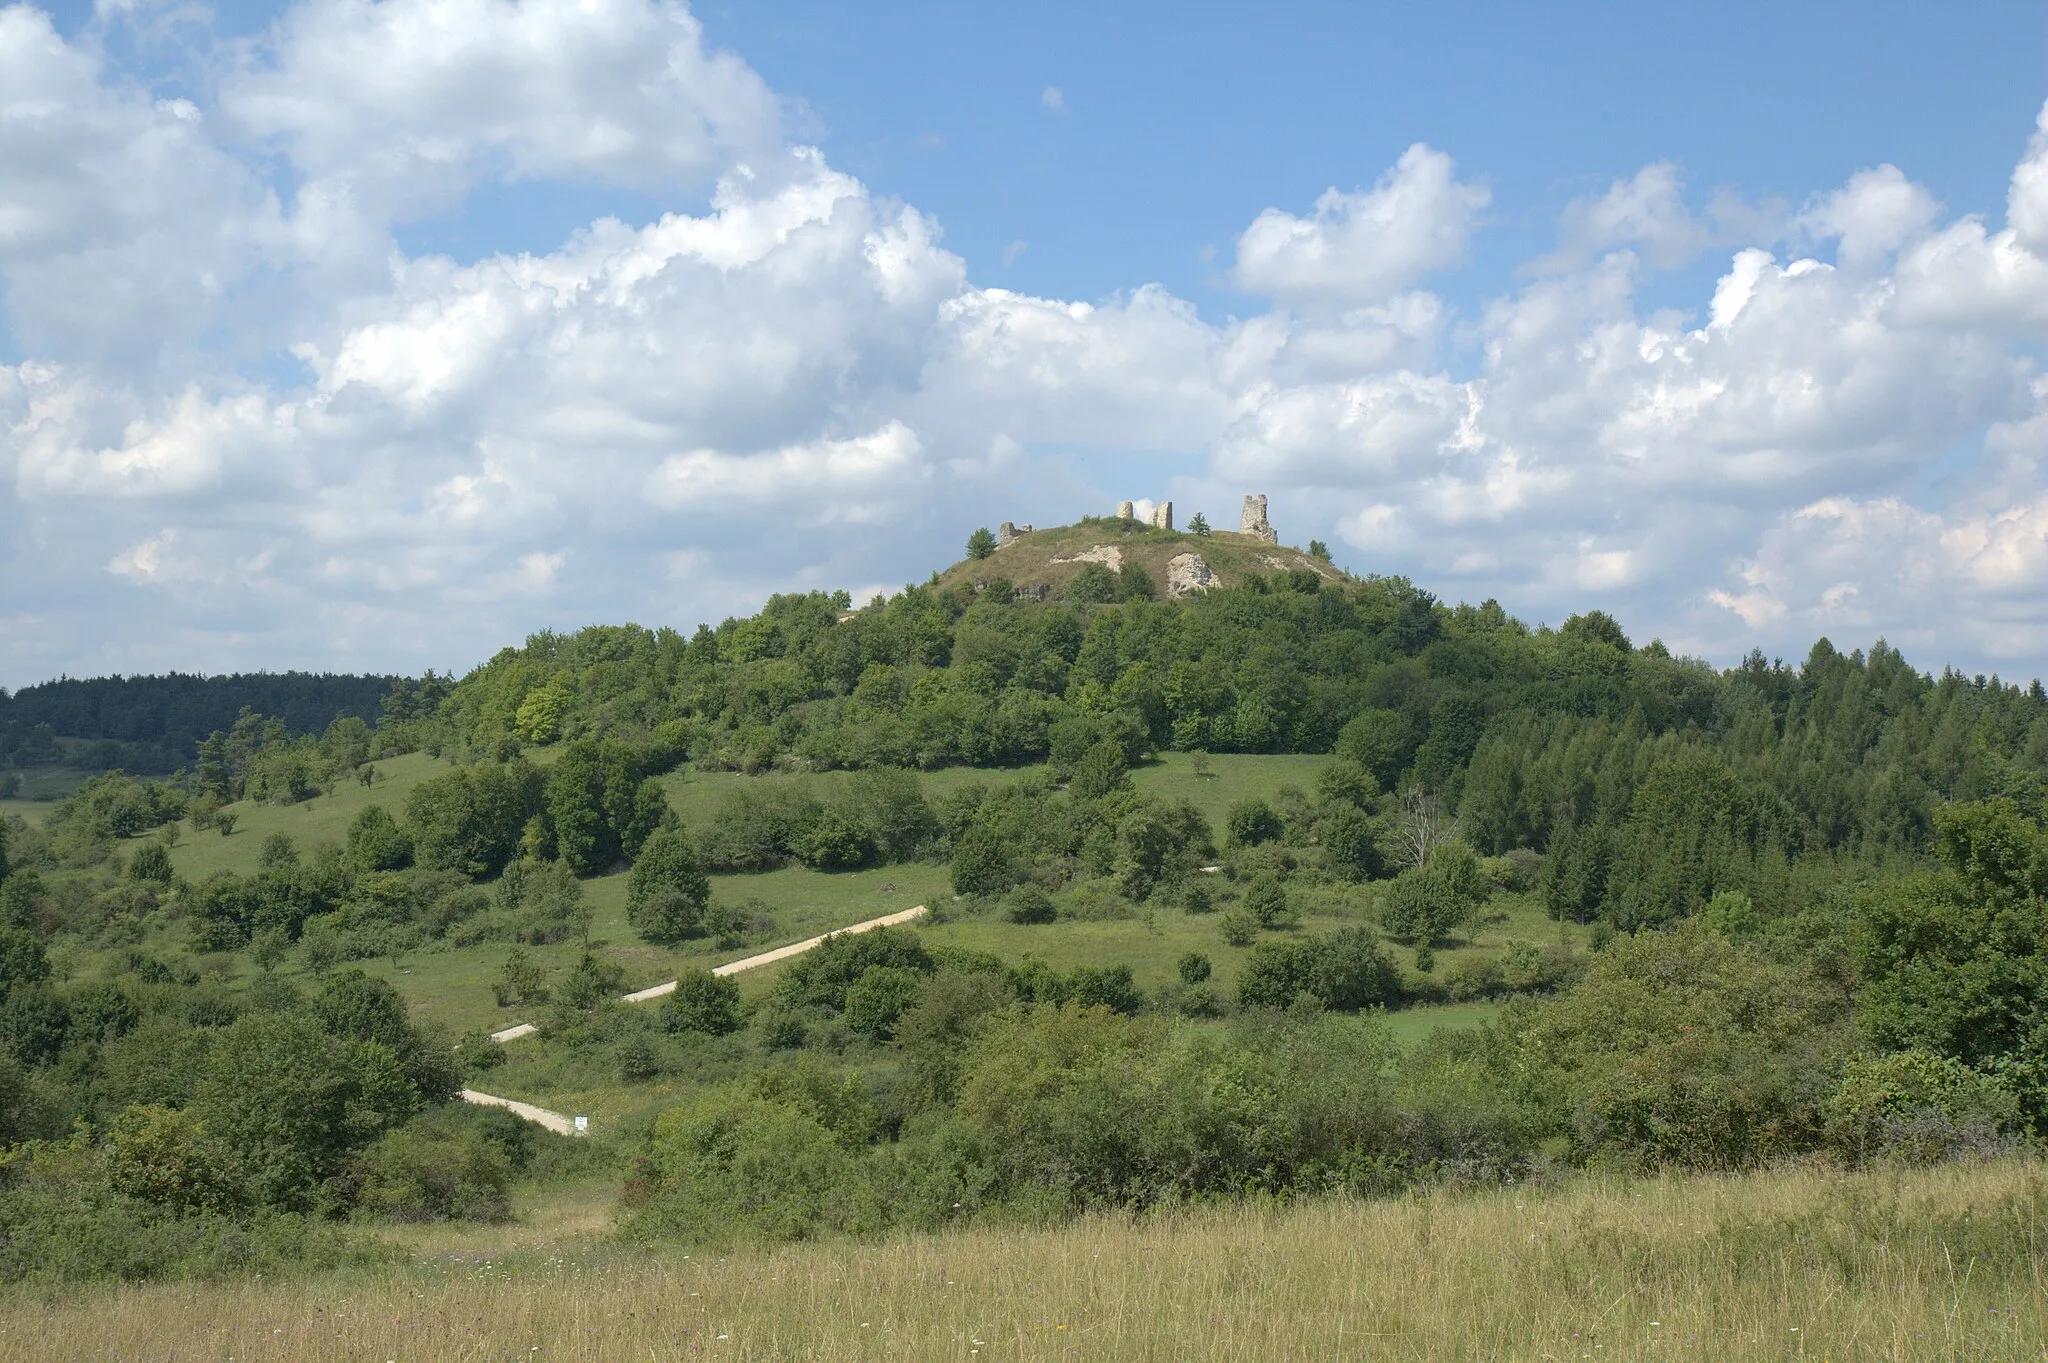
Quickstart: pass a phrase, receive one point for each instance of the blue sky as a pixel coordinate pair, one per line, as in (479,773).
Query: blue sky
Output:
(350,334)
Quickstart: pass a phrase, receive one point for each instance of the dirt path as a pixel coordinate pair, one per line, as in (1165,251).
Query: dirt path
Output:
(782,953)
(555,1121)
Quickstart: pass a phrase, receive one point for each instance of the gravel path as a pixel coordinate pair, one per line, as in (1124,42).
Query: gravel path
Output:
(555,1121)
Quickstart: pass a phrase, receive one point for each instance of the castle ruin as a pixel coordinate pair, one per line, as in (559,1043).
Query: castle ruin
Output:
(1254,522)
(1007,532)
(1161,519)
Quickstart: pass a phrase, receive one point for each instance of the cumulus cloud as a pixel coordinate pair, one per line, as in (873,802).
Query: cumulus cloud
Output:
(1364,247)
(247,428)
(405,102)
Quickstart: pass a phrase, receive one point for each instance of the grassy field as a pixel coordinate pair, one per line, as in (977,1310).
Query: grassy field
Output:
(1940,1264)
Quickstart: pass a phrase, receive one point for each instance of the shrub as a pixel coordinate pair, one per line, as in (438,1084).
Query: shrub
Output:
(702,1002)
(376,842)
(1351,848)
(982,864)
(1029,904)
(877,999)
(1918,1108)
(1343,971)
(1194,968)
(667,892)
(424,1174)
(821,977)
(1239,928)
(1266,900)
(1252,822)
(151,863)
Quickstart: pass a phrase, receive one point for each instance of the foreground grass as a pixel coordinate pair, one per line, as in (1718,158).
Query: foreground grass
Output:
(1810,1265)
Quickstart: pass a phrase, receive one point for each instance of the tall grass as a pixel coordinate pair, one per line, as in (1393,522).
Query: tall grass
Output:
(1941,1264)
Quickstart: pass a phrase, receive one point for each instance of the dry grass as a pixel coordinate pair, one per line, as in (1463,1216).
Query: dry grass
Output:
(1933,1265)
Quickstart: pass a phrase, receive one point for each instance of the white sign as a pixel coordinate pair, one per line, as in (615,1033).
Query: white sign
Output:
(583,1123)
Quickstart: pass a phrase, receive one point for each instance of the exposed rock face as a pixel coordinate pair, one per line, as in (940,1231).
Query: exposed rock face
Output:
(1254,522)
(1108,555)
(1187,574)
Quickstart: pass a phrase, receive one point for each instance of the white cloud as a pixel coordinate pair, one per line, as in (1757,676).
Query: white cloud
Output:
(1053,99)
(236,408)
(1364,247)
(1646,211)
(404,102)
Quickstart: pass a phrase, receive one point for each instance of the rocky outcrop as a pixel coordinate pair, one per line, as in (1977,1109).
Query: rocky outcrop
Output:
(1108,555)
(1187,574)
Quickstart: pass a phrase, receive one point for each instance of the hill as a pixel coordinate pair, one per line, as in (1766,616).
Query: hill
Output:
(1046,564)
(1301,883)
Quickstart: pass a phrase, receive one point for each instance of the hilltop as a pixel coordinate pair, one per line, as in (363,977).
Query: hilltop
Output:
(1044,564)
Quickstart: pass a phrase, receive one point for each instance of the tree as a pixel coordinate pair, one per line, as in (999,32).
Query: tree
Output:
(1350,846)
(289,1102)
(667,892)
(1094,583)
(1253,821)
(981,544)
(1198,524)
(376,842)
(1319,550)
(1102,769)
(1265,899)
(981,863)
(23,961)
(702,1002)
(1133,583)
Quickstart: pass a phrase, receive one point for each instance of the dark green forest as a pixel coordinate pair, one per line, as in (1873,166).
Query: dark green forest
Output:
(1808,908)
(154,724)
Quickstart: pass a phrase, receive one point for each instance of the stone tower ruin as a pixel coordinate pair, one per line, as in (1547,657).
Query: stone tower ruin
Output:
(1254,522)
(1161,518)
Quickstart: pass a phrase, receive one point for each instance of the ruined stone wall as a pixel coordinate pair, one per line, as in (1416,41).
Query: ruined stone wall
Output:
(1254,522)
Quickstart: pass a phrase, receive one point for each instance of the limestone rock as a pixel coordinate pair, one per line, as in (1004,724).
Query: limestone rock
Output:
(1126,510)
(1108,555)
(1162,516)
(1187,574)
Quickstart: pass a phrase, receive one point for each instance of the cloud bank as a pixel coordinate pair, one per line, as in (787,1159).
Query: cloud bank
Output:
(242,426)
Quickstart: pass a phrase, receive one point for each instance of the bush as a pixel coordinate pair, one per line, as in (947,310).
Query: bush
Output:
(1265,899)
(1252,822)
(1194,968)
(702,1002)
(151,863)
(1426,902)
(982,864)
(424,1174)
(1917,1108)
(1239,928)
(1351,848)
(1344,971)
(877,999)
(821,977)
(1029,904)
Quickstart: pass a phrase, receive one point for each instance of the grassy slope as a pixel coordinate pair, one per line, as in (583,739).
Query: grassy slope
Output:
(1030,559)
(1783,1265)
(450,988)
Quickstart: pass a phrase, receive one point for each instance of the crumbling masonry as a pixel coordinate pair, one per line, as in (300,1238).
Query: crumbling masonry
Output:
(1254,522)
(1162,514)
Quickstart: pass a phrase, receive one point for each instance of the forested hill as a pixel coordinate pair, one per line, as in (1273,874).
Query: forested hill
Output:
(1528,735)
(158,721)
